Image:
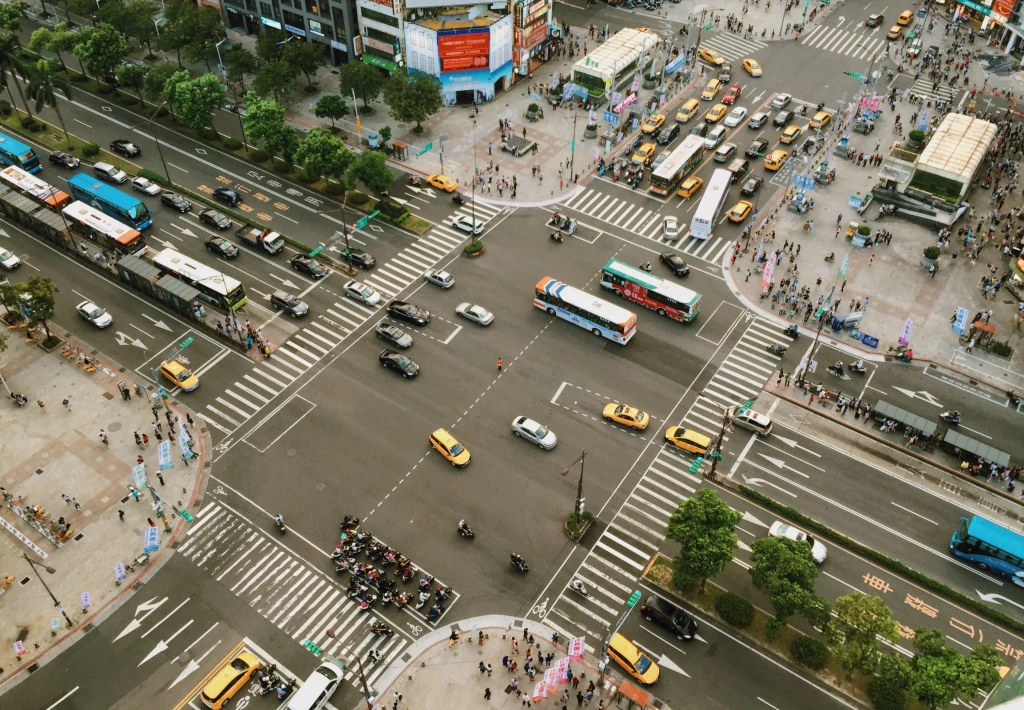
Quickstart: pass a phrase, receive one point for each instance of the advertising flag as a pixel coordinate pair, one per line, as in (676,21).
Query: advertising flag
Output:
(908,328)
(163,455)
(575,648)
(769,270)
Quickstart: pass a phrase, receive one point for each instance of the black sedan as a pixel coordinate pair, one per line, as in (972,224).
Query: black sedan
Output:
(125,148)
(64,160)
(757,148)
(408,312)
(215,219)
(675,262)
(393,334)
(361,259)
(175,201)
(751,186)
(228,197)
(222,247)
(398,362)
(308,266)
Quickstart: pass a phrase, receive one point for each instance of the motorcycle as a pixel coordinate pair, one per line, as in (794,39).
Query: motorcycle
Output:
(338,553)
(435,612)
(367,602)
(559,221)
(950,417)
(389,558)
(830,257)
(441,593)
(415,180)
(578,587)
(1014,399)
(380,628)
(837,370)
(425,582)
(280,524)
(19,400)
(858,367)
(792,331)
(349,523)
(422,600)
(354,590)
(458,199)
(406,573)
(401,600)
(285,689)
(557,237)
(519,563)
(821,105)
(466,531)
(776,349)
(905,356)
(343,567)
(802,110)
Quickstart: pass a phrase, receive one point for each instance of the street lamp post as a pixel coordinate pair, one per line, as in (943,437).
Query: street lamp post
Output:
(579,487)
(220,62)
(344,232)
(572,147)
(49,570)
(156,139)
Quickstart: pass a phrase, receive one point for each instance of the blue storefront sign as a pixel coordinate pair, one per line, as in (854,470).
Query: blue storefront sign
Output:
(482,80)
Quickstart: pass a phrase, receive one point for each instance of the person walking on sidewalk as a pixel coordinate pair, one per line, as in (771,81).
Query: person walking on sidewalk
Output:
(120,515)
(67,404)
(134,493)
(104,439)
(138,440)
(145,440)
(64,497)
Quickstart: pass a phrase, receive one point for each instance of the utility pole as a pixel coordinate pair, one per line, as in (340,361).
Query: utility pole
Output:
(579,488)
(156,140)
(814,344)
(572,147)
(49,570)
(359,669)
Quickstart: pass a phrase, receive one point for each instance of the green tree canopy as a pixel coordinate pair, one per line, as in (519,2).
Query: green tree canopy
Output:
(371,169)
(703,526)
(102,51)
(58,40)
(157,78)
(321,154)
(858,623)
(413,98)
(264,118)
(172,86)
(176,33)
(784,570)
(11,15)
(239,63)
(270,44)
(307,57)
(10,62)
(205,30)
(42,292)
(197,99)
(132,77)
(940,674)
(44,81)
(274,79)
(360,77)
(330,106)
(133,19)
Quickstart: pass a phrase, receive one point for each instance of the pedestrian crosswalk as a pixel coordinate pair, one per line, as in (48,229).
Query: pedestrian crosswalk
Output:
(643,221)
(322,332)
(926,88)
(284,589)
(733,47)
(863,43)
(634,534)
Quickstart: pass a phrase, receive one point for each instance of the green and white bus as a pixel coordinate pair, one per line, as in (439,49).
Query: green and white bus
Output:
(663,297)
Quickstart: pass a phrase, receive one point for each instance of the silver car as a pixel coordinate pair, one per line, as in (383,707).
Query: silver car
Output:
(534,432)
(358,291)
(477,314)
(147,187)
(440,278)
(94,314)
(781,101)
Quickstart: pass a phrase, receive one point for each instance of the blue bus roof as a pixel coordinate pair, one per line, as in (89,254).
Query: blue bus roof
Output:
(13,145)
(997,536)
(106,192)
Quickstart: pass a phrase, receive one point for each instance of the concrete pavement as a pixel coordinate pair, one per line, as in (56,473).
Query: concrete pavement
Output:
(55,450)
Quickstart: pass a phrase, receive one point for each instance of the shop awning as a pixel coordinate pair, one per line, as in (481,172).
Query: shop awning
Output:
(966,443)
(904,417)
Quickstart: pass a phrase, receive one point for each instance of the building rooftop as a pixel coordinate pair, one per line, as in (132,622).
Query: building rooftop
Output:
(619,50)
(958,146)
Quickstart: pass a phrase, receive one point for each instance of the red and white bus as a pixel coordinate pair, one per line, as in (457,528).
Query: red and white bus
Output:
(664,297)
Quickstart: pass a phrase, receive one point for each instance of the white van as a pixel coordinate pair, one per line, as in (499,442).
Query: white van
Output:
(317,689)
(753,421)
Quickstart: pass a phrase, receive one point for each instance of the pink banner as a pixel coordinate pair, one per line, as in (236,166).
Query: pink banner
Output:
(540,691)
(562,668)
(575,649)
(769,271)
(908,328)
(551,676)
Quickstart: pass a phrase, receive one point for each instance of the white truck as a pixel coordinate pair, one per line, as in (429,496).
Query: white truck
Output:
(258,238)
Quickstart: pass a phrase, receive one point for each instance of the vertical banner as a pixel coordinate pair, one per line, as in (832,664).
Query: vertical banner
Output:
(636,83)
(844,266)
(139,476)
(562,669)
(540,691)
(119,572)
(960,322)
(86,601)
(551,676)
(183,443)
(908,328)
(769,270)
(163,455)
(151,537)
(575,648)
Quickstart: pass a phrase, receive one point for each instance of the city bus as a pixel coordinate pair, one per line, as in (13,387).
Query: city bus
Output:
(677,165)
(14,152)
(214,286)
(991,547)
(586,311)
(107,232)
(710,204)
(663,297)
(117,204)
(33,188)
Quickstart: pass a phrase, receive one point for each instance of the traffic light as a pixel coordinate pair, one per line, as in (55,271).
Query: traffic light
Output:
(695,466)
(746,406)
(633,599)
(716,455)
(310,646)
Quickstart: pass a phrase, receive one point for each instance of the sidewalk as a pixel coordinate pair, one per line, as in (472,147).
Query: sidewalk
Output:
(54,451)
(440,675)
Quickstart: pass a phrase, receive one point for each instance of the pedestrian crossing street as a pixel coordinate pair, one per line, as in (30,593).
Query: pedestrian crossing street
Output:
(924,87)
(733,47)
(644,222)
(863,43)
(322,332)
(284,589)
(633,536)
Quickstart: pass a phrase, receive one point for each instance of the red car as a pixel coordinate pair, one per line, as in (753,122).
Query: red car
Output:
(732,94)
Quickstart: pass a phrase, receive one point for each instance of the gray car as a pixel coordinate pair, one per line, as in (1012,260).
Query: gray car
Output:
(781,101)
(289,304)
(393,334)
(783,118)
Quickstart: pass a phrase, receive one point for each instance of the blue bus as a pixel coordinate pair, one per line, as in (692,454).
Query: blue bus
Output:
(119,205)
(14,152)
(991,547)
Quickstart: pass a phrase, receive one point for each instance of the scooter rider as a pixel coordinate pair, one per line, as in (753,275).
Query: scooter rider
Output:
(279,519)
(462,526)
(838,367)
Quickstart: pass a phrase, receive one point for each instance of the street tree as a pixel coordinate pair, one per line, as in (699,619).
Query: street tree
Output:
(940,675)
(58,40)
(44,81)
(11,63)
(157,78)
(270,44)
(205,30)
(330,106)
(784,570)
(321,154)
(102,52)
(274,79)
(887,689)
(307,57)
(703,526)
(264,118)
(371,169)
(132,77)
(133,19)
(366,81)
(11,15)
(42,297)
(239,63)
(413,98)
(175,34)
(197,99)
(859,623)
(171,88)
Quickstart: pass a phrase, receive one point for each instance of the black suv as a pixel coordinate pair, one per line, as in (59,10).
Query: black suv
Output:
(125,148)
(289,304)
(175,201)
(362,259)
(666,614)
(668,135)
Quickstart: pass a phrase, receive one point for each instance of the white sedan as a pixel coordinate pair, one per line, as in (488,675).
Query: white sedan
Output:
(148,187)
(736,116)
(534,432)
(477,314)
(358,291)
(440,278)
(8,260)
(781,529)
(94,314)
(468,225)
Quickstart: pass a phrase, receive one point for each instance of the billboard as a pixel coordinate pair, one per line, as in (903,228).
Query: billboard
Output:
(464,50)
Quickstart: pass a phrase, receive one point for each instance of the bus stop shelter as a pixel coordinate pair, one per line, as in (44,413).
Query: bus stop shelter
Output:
(889,411)
(972,446)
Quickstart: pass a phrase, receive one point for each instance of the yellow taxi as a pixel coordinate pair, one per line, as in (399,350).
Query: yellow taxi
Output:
(688,110)
(775,160)
(713,87)
(229,680)
(894,32)
(688,440)
(752,67)
(740,211)
(625,415)
(905,17)
(690,185)
(632,660)
(179,375)
(820,119)
(791,133)
(443,182)
(448,446)
(644,154)
(652,123)
(712,57)
(716,113)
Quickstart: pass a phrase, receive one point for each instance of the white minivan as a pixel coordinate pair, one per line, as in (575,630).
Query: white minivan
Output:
(318,688)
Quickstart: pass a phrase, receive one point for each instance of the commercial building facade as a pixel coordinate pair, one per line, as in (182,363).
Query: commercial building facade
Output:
(331,23)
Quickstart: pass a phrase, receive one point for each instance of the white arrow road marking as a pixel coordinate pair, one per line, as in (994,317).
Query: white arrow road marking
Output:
(155,626)
(997,599)
(193,665)
(779,463)
(149,607)
(183,230)
(4,234)
(414,189)
(157,323)
(285,282)
(769,483)
(189,647)
(748,518)
(792,442)
(666,662)
(922,395)
(125,339)
(399,200)
(161,646)
(743,546)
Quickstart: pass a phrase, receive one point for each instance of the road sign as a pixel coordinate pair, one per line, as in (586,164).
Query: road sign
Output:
(185,343)
(633,599)
(572,146)
(803,182)
(54,624)
(363,221)
(611,118)
(425,149)
(696,464)
(746,406)
(708,26)
(316,251)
